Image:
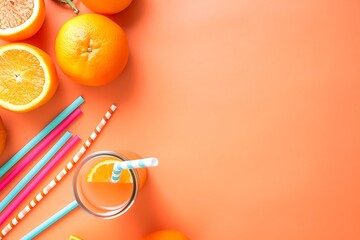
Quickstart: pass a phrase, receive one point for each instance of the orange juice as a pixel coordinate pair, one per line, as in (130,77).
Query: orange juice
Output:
(94,190)
(107,195)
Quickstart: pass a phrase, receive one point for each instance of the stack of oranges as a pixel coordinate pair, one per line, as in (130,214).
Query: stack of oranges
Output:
(91,49)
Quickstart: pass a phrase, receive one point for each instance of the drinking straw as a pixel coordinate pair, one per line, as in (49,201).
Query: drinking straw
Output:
(133,164)
(38,149)
(41,135)
(139,163)
(34,171)
(60,175)
(42,174)
(50,221)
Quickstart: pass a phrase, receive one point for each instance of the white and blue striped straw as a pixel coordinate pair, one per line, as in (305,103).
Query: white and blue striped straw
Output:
(140,163)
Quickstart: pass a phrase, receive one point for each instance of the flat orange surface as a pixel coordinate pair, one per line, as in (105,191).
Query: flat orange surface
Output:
(251,106)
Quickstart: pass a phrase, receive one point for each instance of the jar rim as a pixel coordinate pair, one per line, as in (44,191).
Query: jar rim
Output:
(111,213)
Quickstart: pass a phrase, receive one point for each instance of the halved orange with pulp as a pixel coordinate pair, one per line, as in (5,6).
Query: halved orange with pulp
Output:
(28,77)
(20,19)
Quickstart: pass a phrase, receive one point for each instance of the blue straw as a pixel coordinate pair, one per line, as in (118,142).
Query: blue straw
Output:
(34,171)
(40,136)
(50,221)
(132,164)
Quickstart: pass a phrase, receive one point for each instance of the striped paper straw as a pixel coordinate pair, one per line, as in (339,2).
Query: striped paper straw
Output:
(32,173)
(60,175)
(140,163)
(4,182)
(41,135)
(37,179)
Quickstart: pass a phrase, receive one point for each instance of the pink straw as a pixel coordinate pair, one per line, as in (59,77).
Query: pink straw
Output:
(41,175)
(46,190)
(38,149)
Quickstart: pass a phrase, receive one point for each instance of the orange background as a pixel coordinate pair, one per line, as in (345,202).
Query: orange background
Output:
(251,106)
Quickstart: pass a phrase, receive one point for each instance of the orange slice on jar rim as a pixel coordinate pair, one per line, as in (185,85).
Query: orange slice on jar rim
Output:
(20,19)
(102,171)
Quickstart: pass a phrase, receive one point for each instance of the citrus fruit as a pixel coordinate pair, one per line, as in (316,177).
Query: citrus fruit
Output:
(102,171)
(3,136)
(21,19)
(91,49)
(72,237)
(165,235)
(27,77)
(106,7)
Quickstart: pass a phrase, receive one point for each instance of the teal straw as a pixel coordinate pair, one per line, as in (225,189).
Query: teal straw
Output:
(50,221)
(34,171)
(40,136)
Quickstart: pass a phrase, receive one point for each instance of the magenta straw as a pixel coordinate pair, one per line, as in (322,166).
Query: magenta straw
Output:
(41,175)
(38,149)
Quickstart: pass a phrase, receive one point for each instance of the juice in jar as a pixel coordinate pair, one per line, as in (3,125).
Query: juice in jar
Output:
(94,190)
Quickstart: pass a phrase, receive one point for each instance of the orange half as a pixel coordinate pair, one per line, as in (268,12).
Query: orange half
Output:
(20,19)
(27,77)
(102,172)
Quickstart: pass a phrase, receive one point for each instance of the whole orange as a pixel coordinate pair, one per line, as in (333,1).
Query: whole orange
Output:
(106,7)
(91,49)
(165,235)
(21,19)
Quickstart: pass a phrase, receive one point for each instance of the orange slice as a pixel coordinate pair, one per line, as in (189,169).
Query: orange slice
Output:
(102,172)
(27,77)
(20,19)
